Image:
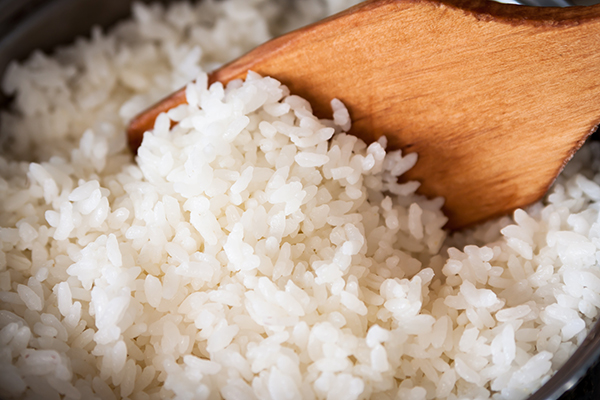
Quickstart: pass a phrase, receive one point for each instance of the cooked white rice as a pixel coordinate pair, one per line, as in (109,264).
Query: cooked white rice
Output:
(254,251)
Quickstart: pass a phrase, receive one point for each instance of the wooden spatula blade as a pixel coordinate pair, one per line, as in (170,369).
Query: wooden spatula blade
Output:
(494,98)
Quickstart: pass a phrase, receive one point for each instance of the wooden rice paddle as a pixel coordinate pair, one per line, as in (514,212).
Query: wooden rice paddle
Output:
(494,98)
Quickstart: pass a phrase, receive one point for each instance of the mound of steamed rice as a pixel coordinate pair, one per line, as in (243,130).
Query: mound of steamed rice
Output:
(255,251)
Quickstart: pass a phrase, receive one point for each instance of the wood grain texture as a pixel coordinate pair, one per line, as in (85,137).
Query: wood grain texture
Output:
(494,98)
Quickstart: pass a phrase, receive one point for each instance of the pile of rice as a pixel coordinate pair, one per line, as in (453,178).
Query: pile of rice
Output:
(255,251)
